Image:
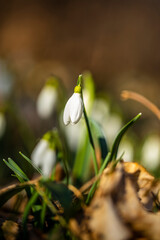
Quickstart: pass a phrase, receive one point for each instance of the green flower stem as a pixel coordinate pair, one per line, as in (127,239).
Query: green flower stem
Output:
(79,83)
(91,140)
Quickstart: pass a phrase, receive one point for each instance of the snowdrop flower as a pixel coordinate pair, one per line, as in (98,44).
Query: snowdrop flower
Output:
(44,154)
(2,124)
(151,152)
(47,99)
(74,107)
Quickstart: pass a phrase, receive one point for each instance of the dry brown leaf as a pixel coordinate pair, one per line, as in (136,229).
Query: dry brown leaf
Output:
(104,220)
(10,230)
(121,207)
(145,182)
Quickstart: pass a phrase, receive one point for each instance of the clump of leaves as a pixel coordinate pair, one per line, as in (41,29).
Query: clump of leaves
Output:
(114,201)
(51,202)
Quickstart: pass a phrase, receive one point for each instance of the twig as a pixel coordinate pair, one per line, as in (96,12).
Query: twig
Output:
(139,98)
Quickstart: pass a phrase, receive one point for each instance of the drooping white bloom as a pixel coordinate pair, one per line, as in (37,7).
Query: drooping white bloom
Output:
(46,101)
(2,124)
(44,157)
(151,152)
(49,161)
(73,109)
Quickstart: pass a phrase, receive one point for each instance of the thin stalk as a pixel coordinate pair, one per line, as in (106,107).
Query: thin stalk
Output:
(91,141)
(79,83)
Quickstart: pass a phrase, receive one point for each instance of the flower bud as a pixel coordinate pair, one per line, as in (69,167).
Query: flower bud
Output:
(73,109)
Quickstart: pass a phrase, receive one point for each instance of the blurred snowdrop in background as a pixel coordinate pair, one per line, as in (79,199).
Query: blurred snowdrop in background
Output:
(150,155)
(127,149)
(110,122)
(44,154)
(47,99)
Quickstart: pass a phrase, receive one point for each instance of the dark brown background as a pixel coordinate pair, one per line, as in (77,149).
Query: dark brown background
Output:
(118,41)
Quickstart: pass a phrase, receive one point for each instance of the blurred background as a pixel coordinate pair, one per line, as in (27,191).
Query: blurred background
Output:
(117,41)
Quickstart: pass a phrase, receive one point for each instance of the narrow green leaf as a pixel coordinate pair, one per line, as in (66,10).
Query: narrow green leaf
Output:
(31,202)
(105,163)
(16,169)
(98,133)
(18,177)
(43,213)
(81,163)
(31,163)
(120,135)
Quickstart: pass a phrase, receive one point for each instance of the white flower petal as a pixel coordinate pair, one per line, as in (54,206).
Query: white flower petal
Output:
(73,109)
(76,110)
(48,162)
(38,152)
(66,114)
(46,101)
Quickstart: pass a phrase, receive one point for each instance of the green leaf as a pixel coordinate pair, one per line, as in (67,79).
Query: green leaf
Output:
(16,169)
(31,163)
(30,204)
(60,193)
(43,213)
(82,159)
(98,133)
(120,135)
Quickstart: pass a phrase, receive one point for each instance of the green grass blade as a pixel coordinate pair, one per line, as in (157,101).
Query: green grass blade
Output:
(105,163)
(81,164)
(99,135)
(43,213)
(120,135)
(18,177)
(31,202)
(31,163)
(16,169)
